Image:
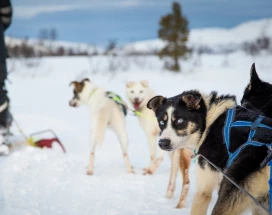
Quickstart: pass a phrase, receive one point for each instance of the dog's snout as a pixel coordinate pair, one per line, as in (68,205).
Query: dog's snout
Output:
(72,104)
(136,99)
(165,144)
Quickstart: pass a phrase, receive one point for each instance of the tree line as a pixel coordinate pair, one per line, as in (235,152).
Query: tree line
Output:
(173,29)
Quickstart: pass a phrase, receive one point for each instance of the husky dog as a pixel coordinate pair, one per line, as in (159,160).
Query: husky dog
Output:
(194,120)
(139,94)
(258,94)
(105,113)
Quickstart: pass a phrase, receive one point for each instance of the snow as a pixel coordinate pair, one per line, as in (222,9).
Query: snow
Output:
(34,181)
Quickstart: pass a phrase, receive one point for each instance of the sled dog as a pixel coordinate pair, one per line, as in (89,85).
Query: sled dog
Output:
(107,110)
(139,94)
(258,94)
(232,137)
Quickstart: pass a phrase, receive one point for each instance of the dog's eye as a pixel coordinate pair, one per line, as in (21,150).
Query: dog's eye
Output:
(161,122)
(132,91)
(141,91)
(179,121)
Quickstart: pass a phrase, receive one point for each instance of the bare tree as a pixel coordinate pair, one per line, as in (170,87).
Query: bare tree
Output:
(53,34)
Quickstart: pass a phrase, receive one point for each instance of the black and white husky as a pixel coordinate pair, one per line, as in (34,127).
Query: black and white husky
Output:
(198,121)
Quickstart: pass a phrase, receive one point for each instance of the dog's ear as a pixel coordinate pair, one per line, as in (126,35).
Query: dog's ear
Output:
(254,78)
(145,83)
(73,83)
(155,102)
(130,84)
(86,79)
(191,100)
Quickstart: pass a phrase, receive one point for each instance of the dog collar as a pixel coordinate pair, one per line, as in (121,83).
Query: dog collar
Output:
(92,92)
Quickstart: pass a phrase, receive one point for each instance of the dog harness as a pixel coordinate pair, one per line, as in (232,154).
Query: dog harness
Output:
(118,100)
(253,127)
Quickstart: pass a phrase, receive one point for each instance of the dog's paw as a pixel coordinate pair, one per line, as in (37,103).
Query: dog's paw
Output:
(181,204)
(148,172)
(90,172)
(147,168)
(169,194)
(131,172)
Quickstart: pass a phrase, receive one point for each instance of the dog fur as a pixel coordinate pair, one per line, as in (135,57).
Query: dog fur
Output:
(258,94)
(194,120)
(139,94)
(105,113)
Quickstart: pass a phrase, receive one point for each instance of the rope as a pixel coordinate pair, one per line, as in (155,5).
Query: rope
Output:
(138,113)
(28,140)
(235,184)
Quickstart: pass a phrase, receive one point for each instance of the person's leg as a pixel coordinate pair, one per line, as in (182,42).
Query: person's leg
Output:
(3,75)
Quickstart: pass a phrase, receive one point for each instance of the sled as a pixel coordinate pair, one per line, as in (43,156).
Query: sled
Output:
(37,140)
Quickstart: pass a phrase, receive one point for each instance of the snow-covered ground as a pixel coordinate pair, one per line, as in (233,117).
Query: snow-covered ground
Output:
(36,182)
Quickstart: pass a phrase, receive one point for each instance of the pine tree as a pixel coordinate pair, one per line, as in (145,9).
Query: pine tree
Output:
(174,30)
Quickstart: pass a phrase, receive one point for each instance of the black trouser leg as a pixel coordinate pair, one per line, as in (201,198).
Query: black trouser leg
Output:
(3,76)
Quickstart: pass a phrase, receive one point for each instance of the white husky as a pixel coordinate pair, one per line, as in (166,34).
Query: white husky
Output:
(105,112)
(139,94)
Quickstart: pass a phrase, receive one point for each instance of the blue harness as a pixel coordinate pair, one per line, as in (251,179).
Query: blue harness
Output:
(253,127)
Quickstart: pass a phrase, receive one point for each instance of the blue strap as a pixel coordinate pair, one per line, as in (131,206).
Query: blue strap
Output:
(241,124)
(257,122)
(227,128)
(234,155)
(248,124)
(229,124)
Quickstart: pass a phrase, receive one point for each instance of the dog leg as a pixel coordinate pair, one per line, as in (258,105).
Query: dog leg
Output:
(184,164)
(259,211)
(206,181)
(173,174)
(123,139)
(230,200)
(97,138)
(264,200)
(91,164)
(152,148)
(160,158)
(233,201)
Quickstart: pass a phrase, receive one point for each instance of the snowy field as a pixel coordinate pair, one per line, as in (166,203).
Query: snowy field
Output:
(48,182)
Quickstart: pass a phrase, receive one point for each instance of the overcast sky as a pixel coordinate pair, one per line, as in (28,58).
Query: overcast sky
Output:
(97,21)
